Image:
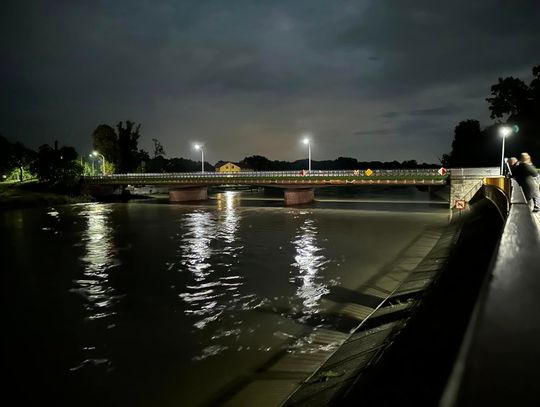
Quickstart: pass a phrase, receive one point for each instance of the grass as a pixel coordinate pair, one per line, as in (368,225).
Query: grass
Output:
(30,194)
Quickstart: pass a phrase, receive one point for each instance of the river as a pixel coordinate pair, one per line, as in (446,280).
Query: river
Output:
(146,303)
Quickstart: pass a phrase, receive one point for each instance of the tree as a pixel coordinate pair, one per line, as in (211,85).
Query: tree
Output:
(128,140)
(57,166)
(21,157)
(517,103)
(15,156)
(105,141)
(158,148)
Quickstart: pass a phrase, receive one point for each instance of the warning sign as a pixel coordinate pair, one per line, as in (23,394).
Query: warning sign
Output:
(442,171)
(368,172)
(460,204)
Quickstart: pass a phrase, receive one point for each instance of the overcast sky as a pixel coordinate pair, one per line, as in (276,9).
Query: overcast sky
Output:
(374,80)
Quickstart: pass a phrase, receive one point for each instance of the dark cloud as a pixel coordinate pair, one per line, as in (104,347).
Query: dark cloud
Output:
(249,77)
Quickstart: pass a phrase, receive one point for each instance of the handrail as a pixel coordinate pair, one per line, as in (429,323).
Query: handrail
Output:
(499,358)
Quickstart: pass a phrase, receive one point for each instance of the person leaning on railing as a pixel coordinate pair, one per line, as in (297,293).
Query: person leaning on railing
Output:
(526,175)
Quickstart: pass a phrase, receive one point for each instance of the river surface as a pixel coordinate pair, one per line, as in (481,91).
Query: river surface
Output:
(146,303)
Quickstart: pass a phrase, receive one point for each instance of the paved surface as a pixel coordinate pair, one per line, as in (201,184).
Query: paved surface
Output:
(498,363)
(536,218)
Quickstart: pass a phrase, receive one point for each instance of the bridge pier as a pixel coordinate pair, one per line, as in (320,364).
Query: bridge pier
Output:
(299,196)
(188,194)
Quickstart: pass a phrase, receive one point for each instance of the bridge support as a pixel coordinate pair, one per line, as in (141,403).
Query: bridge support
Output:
(462,189)
(101,191)
(188,194)
(298,196)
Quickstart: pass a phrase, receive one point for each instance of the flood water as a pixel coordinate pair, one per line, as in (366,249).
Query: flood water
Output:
(146,303)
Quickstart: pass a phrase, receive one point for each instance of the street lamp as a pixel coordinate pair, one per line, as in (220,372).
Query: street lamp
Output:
(93,166)
(307,142)
(504,131)
(96,154)
(199,147)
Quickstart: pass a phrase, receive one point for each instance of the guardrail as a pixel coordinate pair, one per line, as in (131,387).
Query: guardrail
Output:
(270,174)
(476,172)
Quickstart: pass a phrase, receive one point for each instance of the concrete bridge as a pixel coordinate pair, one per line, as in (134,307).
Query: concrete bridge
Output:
(299,186)
(498,355)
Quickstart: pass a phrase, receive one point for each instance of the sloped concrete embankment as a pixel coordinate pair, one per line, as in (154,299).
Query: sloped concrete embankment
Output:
(329,361)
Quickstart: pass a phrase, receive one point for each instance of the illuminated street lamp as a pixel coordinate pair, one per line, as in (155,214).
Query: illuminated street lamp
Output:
(96,154)
(199,147)
(307,142)
(93,167)
(504,131)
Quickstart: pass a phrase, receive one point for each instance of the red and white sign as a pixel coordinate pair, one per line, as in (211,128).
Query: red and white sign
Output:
(442,171)
(460,204)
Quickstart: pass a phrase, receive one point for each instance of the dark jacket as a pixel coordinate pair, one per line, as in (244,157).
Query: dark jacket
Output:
(525,175)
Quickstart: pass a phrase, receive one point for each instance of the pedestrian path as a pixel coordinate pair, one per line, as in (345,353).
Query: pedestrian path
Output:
(536,218)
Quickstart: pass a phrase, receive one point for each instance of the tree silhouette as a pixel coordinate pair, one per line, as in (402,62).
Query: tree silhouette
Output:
(128,140)
(58,166)
(105,141)
(512,102)
(515,102)
(158,148)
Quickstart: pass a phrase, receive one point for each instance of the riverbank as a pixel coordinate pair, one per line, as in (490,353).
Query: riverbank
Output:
(33,194)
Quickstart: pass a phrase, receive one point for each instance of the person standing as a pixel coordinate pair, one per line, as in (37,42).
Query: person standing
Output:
(526,175)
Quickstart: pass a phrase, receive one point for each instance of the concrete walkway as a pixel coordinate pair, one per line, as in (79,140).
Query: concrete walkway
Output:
(536,217)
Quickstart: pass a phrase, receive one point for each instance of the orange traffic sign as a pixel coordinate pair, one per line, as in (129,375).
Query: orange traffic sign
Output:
(460,204)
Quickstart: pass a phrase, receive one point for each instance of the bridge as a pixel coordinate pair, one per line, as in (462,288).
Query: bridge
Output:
(496,360)
(299,186)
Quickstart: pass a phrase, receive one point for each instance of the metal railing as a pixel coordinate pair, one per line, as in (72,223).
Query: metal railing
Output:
(412,173)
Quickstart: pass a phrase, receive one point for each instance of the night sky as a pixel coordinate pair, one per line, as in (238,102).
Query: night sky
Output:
(374,80)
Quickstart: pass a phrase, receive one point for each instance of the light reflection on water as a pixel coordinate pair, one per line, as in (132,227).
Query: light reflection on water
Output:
(95,287)
(209,250)
(99,258)
(309,263)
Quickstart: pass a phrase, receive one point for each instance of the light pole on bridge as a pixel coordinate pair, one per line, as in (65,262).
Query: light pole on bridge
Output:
(308,143)
(199,147)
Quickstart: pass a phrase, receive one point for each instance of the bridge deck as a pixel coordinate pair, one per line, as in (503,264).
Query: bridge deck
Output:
(283,178)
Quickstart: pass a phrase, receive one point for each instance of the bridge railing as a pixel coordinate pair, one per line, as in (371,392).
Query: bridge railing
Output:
(498,361)
(269,174)
(476,172)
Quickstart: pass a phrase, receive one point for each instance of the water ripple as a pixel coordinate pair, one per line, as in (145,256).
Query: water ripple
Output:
(309,263)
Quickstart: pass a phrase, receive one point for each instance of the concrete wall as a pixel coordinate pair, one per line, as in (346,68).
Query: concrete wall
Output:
(463,189)
(299,196)
(188,194)
(498,361)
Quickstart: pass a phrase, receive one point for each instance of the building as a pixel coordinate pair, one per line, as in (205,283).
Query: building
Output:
(228,167)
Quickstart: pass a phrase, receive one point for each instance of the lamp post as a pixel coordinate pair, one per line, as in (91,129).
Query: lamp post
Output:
(199,147)
(96,154)
(308,143)
(504,132)
(93,167)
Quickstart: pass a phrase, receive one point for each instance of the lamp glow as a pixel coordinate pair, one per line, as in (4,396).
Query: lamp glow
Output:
(199,147)
(504,131)
(307,142)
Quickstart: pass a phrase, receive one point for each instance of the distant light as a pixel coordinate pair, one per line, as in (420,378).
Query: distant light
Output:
(505,131)
(306,141)
(95,153)
(197,147)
